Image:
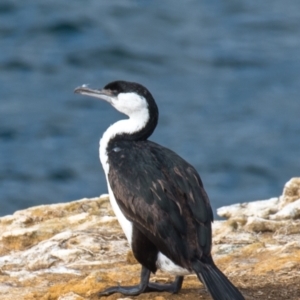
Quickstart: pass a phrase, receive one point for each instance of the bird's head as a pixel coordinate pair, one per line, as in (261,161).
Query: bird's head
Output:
(129,98)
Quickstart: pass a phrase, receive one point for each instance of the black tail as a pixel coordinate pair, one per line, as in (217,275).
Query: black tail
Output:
(217,284)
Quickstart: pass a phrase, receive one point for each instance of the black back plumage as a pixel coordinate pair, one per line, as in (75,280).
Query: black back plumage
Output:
(164,198)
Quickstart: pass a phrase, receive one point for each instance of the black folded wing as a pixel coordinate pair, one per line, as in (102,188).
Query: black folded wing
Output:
(164,198)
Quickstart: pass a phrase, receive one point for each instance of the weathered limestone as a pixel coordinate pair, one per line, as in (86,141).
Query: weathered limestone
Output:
(70,251)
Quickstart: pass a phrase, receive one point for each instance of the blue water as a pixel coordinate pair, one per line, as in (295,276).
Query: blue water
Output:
(225,74)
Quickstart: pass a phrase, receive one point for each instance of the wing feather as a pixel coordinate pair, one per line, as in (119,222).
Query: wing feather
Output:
(164,197)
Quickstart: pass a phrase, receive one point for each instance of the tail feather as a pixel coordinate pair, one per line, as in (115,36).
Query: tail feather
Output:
(217,284)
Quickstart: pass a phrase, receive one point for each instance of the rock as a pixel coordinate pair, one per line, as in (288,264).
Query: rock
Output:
(59,241)
(70,296)
(291,210)
(266,215)
(71,251)
(260,209)
(291,192)
(261,225)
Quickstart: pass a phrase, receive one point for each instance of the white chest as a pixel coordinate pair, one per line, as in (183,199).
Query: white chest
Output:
(125,224)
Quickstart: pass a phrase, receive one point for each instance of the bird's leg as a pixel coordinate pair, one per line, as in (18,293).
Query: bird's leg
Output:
(144,286)
(130,290)
(173,287)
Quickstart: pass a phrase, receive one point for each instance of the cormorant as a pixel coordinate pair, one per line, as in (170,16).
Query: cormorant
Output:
(157,196)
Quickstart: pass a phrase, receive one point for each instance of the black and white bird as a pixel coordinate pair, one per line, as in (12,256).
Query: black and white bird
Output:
(157,196)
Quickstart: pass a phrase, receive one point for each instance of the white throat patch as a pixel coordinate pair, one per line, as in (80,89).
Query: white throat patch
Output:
(130,104)
(136,108)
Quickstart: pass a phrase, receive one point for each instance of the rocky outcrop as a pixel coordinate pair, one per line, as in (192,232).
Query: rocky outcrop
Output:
(71,251)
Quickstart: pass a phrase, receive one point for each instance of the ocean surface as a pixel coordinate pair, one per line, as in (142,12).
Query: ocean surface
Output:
(225,74)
